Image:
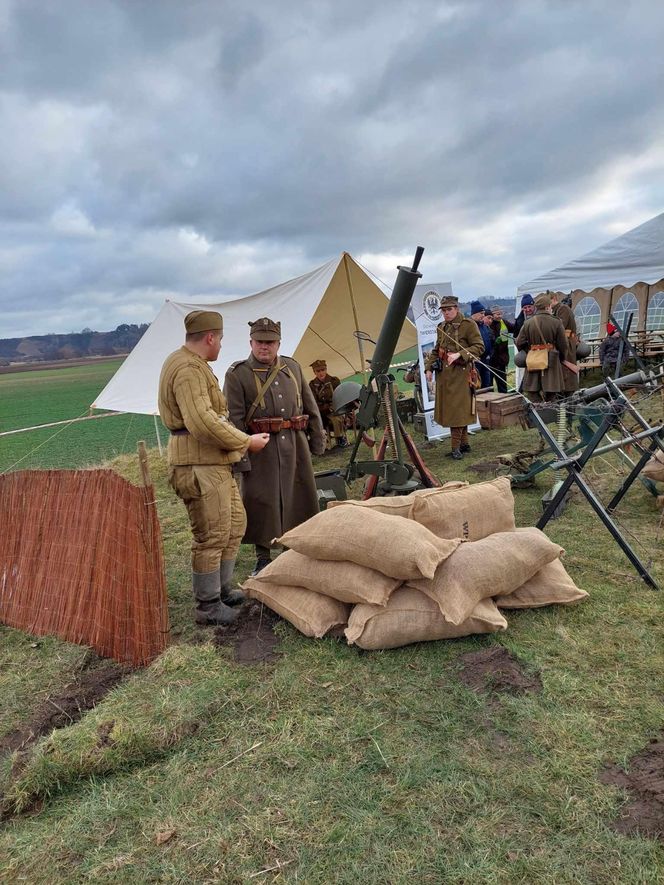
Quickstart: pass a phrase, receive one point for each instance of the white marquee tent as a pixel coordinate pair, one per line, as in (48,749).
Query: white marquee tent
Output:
(625,275)
(319,312)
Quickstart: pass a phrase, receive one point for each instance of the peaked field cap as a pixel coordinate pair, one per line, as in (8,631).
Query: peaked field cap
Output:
(477,307)
(265,329)
(527,299)
(318,365)
(203,321)
(449,301)
(543,300)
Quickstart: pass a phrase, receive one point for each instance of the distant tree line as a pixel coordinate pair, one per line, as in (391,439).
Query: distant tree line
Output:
(74,345)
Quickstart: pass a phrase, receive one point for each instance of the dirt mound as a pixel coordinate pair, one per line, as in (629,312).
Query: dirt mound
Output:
(252,635)
(486,467)
(644,782)
(67,706)
(497,671)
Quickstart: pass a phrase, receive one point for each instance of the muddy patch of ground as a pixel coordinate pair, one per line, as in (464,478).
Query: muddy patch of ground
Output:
(486,467)
(644,782)
(252,636)
(68,705)
(495,670)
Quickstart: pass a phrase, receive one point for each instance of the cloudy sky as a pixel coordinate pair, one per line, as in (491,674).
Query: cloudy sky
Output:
(155,149)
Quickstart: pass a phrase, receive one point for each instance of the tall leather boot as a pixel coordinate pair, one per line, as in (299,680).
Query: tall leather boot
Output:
(229,595)
(210,609)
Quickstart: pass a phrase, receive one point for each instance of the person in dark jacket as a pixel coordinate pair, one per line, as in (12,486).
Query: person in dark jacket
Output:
(500,356)
(608,351)
(477,310)
(527,310)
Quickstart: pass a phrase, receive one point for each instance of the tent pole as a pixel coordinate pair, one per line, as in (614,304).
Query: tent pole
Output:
(156,428)
(363,365)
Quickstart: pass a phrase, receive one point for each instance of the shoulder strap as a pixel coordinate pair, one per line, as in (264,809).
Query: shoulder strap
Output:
(262,389)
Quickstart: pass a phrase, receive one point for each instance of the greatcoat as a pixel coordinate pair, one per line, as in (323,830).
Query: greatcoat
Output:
(454,396)
(566,316)
(278,485)
(544,328)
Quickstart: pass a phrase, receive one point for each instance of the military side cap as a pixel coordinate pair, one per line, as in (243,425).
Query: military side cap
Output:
(543,301)
(203,321)
(265,329)
(318,365)
(449,301)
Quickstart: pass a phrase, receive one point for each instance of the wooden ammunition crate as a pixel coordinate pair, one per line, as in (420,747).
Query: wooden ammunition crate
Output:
(496,410)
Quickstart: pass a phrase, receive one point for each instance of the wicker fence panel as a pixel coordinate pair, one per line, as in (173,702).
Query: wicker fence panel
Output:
(81,558)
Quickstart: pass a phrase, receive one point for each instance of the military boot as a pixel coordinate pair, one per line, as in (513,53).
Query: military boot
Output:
(210,610)
(263,559)
(229,595)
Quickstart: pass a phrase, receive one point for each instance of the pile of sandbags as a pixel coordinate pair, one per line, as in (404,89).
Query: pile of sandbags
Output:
(436,564)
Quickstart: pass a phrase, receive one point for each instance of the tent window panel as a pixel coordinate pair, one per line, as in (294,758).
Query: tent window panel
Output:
(588,316)
(655,315)
(625,305)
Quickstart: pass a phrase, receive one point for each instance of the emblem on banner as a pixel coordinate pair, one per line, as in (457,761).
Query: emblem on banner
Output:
(431,306)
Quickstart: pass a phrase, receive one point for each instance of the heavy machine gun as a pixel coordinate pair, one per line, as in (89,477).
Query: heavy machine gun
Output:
(377,398)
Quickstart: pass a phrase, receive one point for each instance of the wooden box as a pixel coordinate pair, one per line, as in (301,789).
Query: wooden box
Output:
(496,410)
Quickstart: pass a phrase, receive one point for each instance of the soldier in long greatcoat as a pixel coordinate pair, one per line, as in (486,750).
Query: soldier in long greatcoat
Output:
(566,316)
(543,330)
(279,488)
(458,344)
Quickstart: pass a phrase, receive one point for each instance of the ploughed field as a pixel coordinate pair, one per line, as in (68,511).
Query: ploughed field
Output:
(255,754)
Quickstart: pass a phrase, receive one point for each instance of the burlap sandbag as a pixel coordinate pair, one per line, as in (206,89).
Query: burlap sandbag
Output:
(345,581)
(399,505)
(551,585)
(392,545)
(471,513)
(410,616)
(310,612)
(493,566)
(654,468)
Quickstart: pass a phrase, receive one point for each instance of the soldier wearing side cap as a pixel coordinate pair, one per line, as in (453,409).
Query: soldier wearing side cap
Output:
(202,448)
(267,392)
(323,386)
(543,337)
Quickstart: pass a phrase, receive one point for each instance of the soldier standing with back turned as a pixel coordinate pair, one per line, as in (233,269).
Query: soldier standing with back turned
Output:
(268,392)
(545,333)
(202,447)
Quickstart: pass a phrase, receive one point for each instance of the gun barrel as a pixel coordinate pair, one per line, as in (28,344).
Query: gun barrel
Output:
(397,308)
(640,377)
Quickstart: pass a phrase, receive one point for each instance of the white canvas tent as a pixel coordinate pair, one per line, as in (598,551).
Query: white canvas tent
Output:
(625,275)
(319,312)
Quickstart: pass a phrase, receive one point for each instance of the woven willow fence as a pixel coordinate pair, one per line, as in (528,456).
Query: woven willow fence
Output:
(81,558)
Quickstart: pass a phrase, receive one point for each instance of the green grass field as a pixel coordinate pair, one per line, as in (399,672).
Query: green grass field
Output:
(43,396)
(333,765)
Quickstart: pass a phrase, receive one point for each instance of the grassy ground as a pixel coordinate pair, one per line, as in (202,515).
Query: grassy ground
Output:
(333,765)
(44,396)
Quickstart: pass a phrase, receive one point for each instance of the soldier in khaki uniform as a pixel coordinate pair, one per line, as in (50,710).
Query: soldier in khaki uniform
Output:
(267,391)
(202,447)
(566,316)
(322,387)
(543,332)
(458,343)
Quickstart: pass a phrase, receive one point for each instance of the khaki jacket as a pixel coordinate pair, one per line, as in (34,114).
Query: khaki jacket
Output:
(190,399)
(454,397)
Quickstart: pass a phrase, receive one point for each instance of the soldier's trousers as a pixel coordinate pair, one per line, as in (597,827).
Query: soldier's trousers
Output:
(459,436)
(216,513)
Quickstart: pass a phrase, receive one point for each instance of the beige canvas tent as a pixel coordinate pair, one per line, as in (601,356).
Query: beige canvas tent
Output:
(319,312)
(625,275)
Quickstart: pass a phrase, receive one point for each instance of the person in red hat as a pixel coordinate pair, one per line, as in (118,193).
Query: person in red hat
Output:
(609,350)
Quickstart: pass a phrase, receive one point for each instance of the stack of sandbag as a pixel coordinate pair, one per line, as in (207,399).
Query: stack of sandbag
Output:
(436,564)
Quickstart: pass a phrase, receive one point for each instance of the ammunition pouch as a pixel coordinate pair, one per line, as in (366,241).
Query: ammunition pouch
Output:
(276,425)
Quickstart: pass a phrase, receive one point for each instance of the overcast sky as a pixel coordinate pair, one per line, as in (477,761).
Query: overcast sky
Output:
(182,149)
